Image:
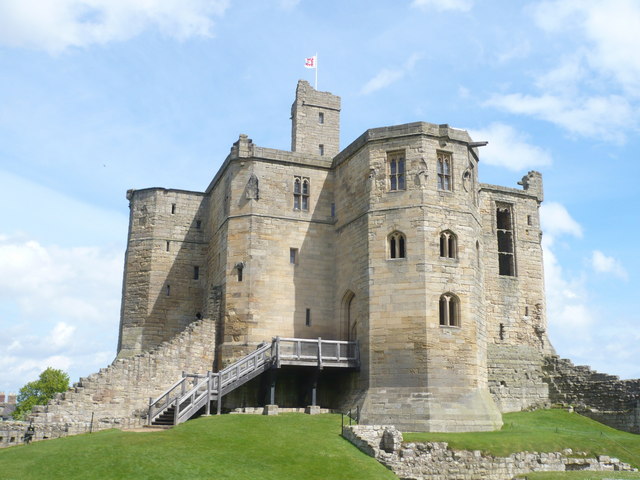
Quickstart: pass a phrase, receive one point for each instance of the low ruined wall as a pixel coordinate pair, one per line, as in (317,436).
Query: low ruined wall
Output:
(118,396)
(436,461)
(603,397)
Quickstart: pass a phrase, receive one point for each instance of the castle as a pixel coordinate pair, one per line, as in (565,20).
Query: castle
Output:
(391,244)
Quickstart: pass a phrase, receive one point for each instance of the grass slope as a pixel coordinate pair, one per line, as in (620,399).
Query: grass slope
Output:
(237,447)
(544,431)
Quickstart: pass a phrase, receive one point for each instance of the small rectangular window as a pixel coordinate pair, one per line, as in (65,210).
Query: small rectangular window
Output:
(168,245)
(168,290)
(307,320)
(529,220)
(333,210)
(198,223)
(321,118)
(293,256)
(196,272)
(321,149)
(173,208)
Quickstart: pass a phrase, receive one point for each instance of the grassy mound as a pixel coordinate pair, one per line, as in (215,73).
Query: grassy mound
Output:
(544,431)
(290,446)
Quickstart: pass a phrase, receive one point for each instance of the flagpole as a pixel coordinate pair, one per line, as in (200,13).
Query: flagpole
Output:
(316,70)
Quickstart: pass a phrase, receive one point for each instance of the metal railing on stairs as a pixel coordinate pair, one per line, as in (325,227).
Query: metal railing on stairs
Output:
(194,391)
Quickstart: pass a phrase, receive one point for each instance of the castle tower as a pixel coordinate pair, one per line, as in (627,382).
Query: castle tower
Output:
(315,121)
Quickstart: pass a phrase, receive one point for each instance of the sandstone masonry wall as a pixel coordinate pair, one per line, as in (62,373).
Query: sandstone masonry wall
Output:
(516,378)
(165,268)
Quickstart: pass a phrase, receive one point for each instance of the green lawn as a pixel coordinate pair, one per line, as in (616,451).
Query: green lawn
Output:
(238,447)
(294,446)
(545,431)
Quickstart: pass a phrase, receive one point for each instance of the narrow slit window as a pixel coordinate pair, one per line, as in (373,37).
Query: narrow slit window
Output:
(320,118)
(173,208)
(168,247)
(239,269)
(198,223)
(293,256)
(168,290)
(196,272)
(321,149)
(307,319)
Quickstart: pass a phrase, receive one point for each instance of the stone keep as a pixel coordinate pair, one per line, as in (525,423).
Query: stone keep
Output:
(392,242)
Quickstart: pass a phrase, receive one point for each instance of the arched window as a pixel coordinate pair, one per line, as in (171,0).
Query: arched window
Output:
(301,190)
(397,245)
(448,244)
(449,309)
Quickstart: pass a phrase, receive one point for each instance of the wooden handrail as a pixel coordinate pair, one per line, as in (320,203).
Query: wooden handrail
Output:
(187,400)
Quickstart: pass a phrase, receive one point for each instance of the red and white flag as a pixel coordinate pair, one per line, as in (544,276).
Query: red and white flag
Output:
(310,62)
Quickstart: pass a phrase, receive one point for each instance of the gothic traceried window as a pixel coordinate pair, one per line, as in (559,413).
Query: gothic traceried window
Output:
(397,177)
(445,169)
(449,310)
(397,245)
(448,244)
(301,191)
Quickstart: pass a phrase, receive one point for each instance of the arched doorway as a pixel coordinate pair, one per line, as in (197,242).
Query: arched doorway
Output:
(349,324)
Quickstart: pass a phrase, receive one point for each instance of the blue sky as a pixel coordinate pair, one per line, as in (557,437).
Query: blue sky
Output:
(100,96)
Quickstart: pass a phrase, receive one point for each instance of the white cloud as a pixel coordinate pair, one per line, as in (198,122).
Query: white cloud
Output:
(509,148)
(387,76)
(594,89)
(442,5)
(604,117)
(556,221)
(612,30)
(72,293)
(55,25)
(61,335)
(604,264)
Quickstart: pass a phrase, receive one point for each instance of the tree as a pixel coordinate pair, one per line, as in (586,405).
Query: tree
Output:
(40,391)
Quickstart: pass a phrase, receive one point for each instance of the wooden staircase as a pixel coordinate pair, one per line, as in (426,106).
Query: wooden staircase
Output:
(192,392)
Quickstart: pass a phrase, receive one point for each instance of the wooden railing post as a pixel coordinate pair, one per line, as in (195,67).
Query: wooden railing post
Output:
(319,352)
(149,414)
(208,409)
(219,405)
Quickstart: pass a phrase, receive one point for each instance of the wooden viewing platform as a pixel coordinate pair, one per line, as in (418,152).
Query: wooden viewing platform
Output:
(193,391)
